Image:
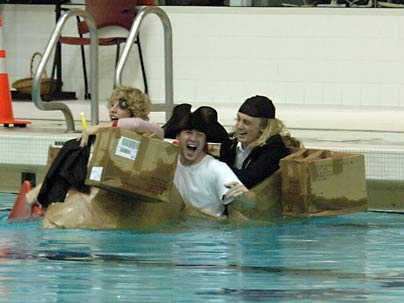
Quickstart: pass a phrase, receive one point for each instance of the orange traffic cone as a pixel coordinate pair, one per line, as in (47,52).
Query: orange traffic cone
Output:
(6,110)
(21,209)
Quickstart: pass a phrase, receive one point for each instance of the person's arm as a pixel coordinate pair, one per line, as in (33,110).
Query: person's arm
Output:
(141,126)
(235,190)
(135,124)
(228,186)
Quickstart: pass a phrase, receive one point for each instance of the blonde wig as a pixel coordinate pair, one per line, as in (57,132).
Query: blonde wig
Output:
(273,127)
(138,102)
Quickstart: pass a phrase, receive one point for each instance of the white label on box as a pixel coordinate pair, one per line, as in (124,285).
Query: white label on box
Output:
(96,173)
(127,148)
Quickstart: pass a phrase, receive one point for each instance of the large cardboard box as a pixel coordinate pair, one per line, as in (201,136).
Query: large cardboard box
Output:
(321,182)
(128,163)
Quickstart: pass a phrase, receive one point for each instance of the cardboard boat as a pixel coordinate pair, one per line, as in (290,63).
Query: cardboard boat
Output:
(103,209)
(131,178)
(309,183)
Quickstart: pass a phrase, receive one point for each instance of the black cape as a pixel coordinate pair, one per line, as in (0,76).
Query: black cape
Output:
(68,170)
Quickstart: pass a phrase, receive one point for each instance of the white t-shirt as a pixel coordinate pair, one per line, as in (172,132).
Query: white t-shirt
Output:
(202,184)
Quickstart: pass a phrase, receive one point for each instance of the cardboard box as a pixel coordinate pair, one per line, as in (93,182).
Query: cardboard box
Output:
(263,202)
(52,154)
(128,163)
(321,182)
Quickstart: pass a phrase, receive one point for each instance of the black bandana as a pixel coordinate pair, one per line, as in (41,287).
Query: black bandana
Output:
(258,106)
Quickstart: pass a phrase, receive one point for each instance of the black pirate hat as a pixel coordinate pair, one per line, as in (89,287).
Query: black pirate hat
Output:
(177,121)
(203,119)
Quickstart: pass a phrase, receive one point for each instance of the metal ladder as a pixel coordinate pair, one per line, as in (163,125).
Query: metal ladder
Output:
(168,56)
(36,92)
(169,102)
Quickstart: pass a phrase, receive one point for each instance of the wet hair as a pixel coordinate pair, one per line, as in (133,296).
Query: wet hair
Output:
(135,101)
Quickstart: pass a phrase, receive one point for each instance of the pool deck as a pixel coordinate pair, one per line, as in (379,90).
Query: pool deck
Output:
(377,133)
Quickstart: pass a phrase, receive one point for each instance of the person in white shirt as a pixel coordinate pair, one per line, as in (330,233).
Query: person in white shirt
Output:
(203,181)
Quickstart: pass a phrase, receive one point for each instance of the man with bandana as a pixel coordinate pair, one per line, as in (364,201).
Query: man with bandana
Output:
(257,147)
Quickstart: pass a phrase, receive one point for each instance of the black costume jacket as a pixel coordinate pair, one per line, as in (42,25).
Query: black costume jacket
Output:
(262,161)
(68,170)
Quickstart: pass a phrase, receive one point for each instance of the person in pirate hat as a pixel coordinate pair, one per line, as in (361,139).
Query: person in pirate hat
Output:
(257,147)
(203,181)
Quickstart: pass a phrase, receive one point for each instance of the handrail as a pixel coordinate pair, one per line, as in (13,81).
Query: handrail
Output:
(168,58)
(36,91)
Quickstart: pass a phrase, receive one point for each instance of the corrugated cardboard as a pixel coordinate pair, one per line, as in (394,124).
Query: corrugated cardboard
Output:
(214,149)
(128,163)
(263,202)
(108,210)
(52,154)
(321,182)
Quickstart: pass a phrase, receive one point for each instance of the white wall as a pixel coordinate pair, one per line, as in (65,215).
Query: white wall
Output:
(304,56)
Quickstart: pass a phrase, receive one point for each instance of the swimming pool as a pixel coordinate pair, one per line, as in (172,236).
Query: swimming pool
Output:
(347,258)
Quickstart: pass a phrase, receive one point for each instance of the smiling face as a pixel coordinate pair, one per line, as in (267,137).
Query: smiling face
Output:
(247,129)
(192,146)
(126,102)
(118,111)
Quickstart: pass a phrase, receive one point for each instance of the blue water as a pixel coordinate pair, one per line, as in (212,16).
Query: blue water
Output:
(355,258)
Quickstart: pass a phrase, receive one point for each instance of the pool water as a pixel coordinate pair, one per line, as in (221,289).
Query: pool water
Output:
(353,258)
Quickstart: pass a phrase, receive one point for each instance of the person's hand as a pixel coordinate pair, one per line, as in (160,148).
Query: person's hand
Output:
(244,202)
(235,189)
(92,130)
